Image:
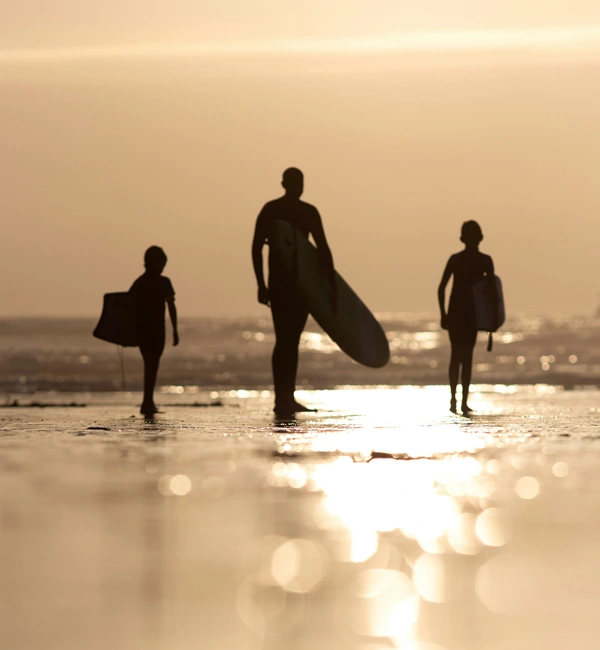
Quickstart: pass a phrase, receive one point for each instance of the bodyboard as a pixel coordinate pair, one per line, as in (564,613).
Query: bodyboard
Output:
(117,321)
(484,305)
(353,327)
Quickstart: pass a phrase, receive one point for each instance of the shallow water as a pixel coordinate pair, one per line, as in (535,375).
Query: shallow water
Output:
(381,521)
(61,354)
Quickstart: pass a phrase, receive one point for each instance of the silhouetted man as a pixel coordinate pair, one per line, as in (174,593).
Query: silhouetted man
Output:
(287,306)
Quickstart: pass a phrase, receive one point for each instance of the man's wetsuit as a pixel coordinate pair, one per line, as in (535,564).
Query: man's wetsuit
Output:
(287,306)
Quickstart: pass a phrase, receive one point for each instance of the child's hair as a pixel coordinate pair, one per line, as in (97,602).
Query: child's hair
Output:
(155,257)
(471,231)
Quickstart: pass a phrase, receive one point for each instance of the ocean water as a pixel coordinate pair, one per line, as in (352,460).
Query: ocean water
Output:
(62,355)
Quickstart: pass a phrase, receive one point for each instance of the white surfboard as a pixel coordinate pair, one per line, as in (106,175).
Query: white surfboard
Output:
(353,327)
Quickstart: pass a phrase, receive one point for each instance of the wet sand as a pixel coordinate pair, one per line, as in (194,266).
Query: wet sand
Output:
(382,521)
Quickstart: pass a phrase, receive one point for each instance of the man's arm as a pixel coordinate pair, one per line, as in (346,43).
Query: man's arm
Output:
(325,256)
(260,237)
(173,317)
(442,293)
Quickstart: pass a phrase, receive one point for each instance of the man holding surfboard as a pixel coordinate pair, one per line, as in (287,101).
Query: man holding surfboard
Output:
(288,308)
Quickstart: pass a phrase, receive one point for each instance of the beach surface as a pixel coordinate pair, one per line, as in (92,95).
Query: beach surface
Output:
(380,521)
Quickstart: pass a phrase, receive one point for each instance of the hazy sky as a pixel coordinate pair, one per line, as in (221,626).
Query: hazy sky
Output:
(126,124)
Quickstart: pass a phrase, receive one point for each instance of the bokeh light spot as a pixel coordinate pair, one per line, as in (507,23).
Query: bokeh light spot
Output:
(492,527)
(527,487)
(180,485)
(560,469)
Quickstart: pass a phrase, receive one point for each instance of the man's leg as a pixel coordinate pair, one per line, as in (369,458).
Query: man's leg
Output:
(300,316)
(289,318)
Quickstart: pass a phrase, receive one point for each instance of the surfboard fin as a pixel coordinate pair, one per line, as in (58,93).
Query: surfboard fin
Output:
(490,344)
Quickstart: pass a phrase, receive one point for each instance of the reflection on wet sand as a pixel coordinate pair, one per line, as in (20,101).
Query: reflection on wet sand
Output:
(379,522)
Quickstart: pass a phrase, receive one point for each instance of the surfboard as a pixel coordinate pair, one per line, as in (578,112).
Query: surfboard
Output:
(117,321)
(484,305)
(353,327)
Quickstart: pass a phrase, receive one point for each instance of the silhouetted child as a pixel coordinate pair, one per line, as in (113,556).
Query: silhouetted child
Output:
(467,268)
(151,292)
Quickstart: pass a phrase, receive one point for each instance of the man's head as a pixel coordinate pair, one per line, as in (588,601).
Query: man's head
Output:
(293,182)
(470,233)
(155,259)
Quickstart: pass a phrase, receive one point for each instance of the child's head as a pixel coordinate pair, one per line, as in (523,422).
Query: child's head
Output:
(470,233)
(155,259)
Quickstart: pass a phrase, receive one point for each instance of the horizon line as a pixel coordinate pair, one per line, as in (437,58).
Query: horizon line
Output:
(553,39)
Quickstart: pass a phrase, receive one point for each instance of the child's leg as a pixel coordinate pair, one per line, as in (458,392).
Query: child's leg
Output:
(453,371)
(151,361)
(467,369)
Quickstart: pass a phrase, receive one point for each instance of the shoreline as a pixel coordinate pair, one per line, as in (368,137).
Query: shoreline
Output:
(7,390)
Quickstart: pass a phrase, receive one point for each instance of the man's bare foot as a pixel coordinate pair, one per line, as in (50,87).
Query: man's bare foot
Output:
(466,409)
(288,408)
(283,412)
(300,408)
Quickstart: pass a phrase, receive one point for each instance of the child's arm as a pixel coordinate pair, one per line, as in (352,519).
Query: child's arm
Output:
(442,293)
(173,317)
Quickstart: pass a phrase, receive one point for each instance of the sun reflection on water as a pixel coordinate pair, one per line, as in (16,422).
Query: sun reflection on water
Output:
(403,496)
(415,423)
(427,503)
